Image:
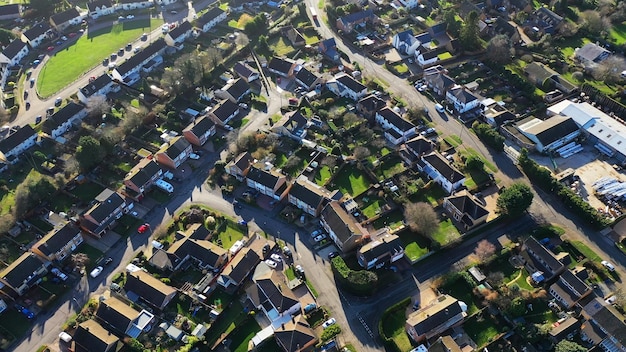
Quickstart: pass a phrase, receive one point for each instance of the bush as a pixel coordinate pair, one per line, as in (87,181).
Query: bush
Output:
(490,136)
(358,282)
(330,332)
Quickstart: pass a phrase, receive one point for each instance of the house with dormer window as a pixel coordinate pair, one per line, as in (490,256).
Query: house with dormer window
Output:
(397,129)
(141,177)
(345,86)
(439,169)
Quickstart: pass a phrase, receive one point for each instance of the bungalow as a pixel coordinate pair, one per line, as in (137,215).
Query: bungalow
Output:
(92,337)
(99,8)
(328,47)
(102,85)
(24,273)
(10,12)
(306,79)
(543,21)
(441,171)
(503,27)
(122,319)
(545,77)
(295,37)
(18,142)
(127,5)
(234,90)
(542,263)
(101,216)
(281,66)
(211,19)
(397,129)
(549,134)
(177,36)
(293,125)
(465,209)
(204,254)
(240,266)
(405,42)
(309,197)
(239,166)
(223,112)
(174,153)
(605,326)
(384,250)
(296,335)
(342,227)
(345,86)
(349,22)
(142,176)
(199,131)
(413,149)
(36,34)
(270,293)
(60,21)
(462,99)
(426,57)
(59,243)
(62,120)
(369,105)
(495,114)
(143,286)
(14,52)
(569,289)
(591,54)
(270,183)
(136,62)
(431,321)
(246,72)
(439,83)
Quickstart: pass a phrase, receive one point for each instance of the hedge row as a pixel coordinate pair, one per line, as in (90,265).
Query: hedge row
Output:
(357,282)
(490,136)
(390,345)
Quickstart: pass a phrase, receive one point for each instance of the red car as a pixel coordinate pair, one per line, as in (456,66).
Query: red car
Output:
(50,48)
(71,35)
(143,228)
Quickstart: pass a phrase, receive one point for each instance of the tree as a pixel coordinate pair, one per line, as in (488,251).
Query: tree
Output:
(421,218)
(499,49)
(242,40)
(514,200)
(568,346)
(350,119)
(360,153)
(6,36)
(610,70)
(469,33)
(474,162)
(484,250)
(32,191)
(6,222)
(97,105)
(89,152)
(592,22)
(292,164)
(80,260)
(452,25)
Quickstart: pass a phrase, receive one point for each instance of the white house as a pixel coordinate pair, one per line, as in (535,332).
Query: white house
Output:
(127,5)
(345,86)
(246,72)
(36,34)
(18,142)
(178,35)
(134,63)
(549,134)
(211,19)
(102,85)
(397,129)
(14,52)
(61,121)
(405,42)
(99,8)
(425,58)
(462,99)
(60,21)
(439,170)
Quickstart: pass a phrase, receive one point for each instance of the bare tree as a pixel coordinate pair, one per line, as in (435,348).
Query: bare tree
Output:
(80,260)
(592,22)
(6,222)
(231,140)
(5,253)
(360,153)
(292,163)
(421,217)
(500,49)
(242,40)
(378,143)
(610,70)
(484,250)
(496,278)
(568,29)
(329,161)
(133,119)
(350,119)
(97,105)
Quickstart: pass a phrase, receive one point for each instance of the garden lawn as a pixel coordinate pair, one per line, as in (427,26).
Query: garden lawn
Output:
(352,181)
(87,191)
(15,322)
(460,290)
(618,33)
(393,326)
(229,234)
(444,56)
(281,46)
(446,232)
(390,166)
(415,245)
(402,68)
(392,219)
(586,251)
(469,151)
(227,321)
(61,202)
(322,175)
(482,329)
(430,195)
(89,51)
(243,334)
(372,207)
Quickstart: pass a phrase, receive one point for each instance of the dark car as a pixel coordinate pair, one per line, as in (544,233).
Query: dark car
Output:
(38,119)
(120,52)
(129,47)
(332,255)
(25,311)
(105,62)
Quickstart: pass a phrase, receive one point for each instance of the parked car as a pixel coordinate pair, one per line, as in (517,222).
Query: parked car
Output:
(329,322)
(287,251)
(276,257)
(25,311)
(608,265)
(319,238)
(130,17)
(121,18)
(50,48)
(144,37)
(58,101)
(194,156)
(143,228)
(428,131)
(65,337)
(439,108)
(71,35)
(310,307)
(332,255)
(58,273)
(316,233)
(63,38)
(611,300)
(272,264)
(299,270)
(95,272)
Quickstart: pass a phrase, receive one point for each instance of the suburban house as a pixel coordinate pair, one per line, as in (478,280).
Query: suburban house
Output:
(542,263)
(102,85)
(92,337)
(495,114)
(466,210)
(591,54)
(99,8)
(223,112)
(309,197)
(204,254)
(293,125)
(549,134)
(281,66)
(293,34)
(405,42)
(605,326)
(60,21)
(58,243)
(24,273)
(462,99)
(306,79)
(296,335)
(211,19)
(270,293)
(439,83)
(122,319)
(127,5)
(141,177)
(441,171)
(239,267)
(239,166)
(174,153)
(268,182)
(14,52)
(10,12)
(101,216)
(501,26)
(431,321)
(18,142)
(177,36)
(345,86)
(342,227)
(397,129)
(566,329)
(36,34)
(234,90)
(369,105)
(569,289)
(62,120)
(128,69)
(442,344)
(245,71)
(328,48)
(412,151)
(199,131)
(545,77)
(382,251)
(143,286)
(407,4)
(358,19)
(542,21)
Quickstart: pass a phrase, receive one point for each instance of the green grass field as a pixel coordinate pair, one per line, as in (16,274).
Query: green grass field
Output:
(229,234)
(482,329)
(352,181)
(393,325)
(446,232)
(88,51)
(322,175)
(618,33)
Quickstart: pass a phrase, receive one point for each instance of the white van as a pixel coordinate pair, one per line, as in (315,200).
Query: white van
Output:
(439,107)
(167,187)
(157,245)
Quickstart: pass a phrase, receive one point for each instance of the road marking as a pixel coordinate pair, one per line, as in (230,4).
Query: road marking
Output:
(367,328)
